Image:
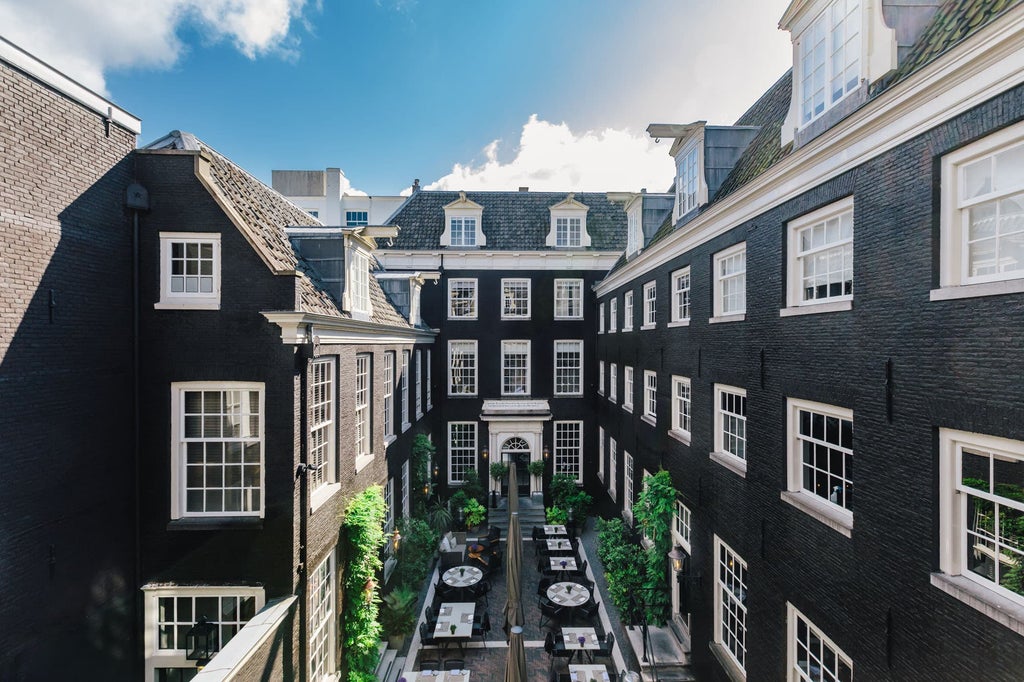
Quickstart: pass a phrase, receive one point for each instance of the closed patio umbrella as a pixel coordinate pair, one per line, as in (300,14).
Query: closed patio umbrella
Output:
(515,665)
(513,573)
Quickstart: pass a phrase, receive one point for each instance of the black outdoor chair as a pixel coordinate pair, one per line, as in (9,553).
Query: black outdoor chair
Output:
(455,664)
(605,651)
(559,650)
(549,612)
(580,572)
(589,611)
(480,591)
(426,635)
(482,626)
(430,664)
(543,585)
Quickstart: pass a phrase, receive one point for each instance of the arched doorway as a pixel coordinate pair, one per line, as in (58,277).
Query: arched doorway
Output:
(517,450)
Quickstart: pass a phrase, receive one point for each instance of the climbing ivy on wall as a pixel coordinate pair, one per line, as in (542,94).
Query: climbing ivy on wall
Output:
(362,529)
(653,514)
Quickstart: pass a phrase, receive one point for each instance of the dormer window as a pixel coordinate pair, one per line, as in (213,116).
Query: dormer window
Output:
(829,58)
(634,232)
(359,279)
(568,224)
(687,183)
(462,224)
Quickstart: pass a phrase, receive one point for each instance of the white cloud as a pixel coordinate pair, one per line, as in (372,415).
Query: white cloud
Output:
(551,157)
(85,38)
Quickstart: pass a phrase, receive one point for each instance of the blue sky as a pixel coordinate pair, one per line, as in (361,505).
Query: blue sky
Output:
(441,91)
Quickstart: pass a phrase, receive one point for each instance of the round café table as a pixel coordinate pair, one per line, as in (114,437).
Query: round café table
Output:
(569,594)
(462,576)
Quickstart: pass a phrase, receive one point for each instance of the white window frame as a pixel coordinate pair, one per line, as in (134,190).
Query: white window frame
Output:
(359,282)
(568,374)
(613,383)
(955,578)
(829,222)
(802,668)
(406,482)
(600,377)
(509,372)
(569,231)
(729,563)
(403,385)
(600,453)
(627,388)
(507,285)
(688,178)
(682,409)
(323,411)
(419,383)
(634,233)
(568,299)
(466,452)
(736,312)
(955,280)
(627,311)
(819,35)
(460,348)
(650,305)
(727,458)
(362,401)
(613,315)
(680,306)
(430,382)
(650,413)
(600,317)
(179,475)
(157,658)
(682,525)
(389,396)
(183,300)
(323,590)
(465,235)
(389,512)
(613,456)
(627,486)
(469,284)
(357,218)
(833,510)
(568,455)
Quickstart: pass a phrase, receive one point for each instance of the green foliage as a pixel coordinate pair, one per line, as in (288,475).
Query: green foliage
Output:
(398,616)
(536,467)
(653,514)
(565,493)
(499,470)
(556,516)
(439,516)
(362,529)
(475,513)
(421,453)
(624,566)
(458,500)
(416,551)
(472,486)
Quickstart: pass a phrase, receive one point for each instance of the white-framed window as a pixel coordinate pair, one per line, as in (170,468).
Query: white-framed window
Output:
(650,305)
(461,450)
(680,313)
(730,282)
(568,367)
(627,485)
(462,367)
(613,383)
(820,250)
(731,427)
(419,383)
(406,482)
(600,377)
(315,214)
(634,232)
(322,621)
(813,657)
(981,522)
(569,449)
(568,299)
(189,271)
(515,299)
(568,231)
(613,314)
(651,396)
(982,219)
(462,231)
(363,435)
(829,54)
(682,525)
(820,461)
(171,610)
(389,511)
(515,368)
(321,423)
(389,394)
(627,388)
(357,218)
(462,301)
(731,604)
(600,318)
(218,435)
(600,452)
(403,386)
(613,463)
(430,383)
(360,280)
(627,311)
(681,408)
(687,180)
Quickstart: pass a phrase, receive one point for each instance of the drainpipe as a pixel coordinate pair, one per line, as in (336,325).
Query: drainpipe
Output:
(303,354)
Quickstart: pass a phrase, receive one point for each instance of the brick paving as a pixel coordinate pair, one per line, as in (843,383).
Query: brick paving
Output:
(486,662)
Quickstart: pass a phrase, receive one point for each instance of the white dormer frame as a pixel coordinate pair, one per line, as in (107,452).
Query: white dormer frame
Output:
(568,208)
(634,225)
(463,208)
(356,298)
(691,191)
(878,54)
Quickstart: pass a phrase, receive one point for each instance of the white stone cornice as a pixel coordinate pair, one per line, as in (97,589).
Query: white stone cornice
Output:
(299,328)
(484,260)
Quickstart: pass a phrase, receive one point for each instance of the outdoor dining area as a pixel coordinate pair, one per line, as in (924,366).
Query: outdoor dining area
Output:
(490,614)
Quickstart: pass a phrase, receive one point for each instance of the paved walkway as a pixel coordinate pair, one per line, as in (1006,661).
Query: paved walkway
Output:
(486,660)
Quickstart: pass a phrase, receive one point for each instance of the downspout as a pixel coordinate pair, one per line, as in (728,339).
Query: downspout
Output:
(303,354)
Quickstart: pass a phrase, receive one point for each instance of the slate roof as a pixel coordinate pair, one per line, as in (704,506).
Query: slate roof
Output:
(512,221)
(265,214)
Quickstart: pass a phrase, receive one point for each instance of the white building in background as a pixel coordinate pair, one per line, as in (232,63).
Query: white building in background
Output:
(320,193)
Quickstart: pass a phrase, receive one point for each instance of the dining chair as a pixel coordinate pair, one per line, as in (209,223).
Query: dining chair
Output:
(430,664)
(455,664)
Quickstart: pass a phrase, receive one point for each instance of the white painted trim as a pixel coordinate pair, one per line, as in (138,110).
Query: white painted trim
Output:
(719,313)
(476,298)
(792,613)
(794,274)
(498,260)
(814,308)
(739,317)
(988,63)
(184,300)
(65,85)
(680,323)
(579,302)
(1000,609)
(681,436)
(476,368)
(505,281)
(834,517)
(299,327)
(731,462)
(554,368)
(247,641)
(1010,286)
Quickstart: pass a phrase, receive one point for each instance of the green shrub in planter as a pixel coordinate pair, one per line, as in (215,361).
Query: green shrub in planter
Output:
(536,467)
(499,470)
(398,616)
(556,516)
(475,513)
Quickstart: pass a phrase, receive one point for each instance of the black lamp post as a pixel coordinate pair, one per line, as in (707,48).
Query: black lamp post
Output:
(201,642)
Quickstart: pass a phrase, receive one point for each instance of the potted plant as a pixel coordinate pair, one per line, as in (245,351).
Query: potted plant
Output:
(475,513)
(499,470)
(536,468)
(398,616)
(556,516)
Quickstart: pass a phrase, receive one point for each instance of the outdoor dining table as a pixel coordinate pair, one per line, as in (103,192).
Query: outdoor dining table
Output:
(568,594)
(557,561)
(454,622)
(559,546)
(585,673)
(555,530)
(462,576)
(435,676)
(571,639)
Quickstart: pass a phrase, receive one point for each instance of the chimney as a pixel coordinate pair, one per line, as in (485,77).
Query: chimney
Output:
(524,189)
(643,190)
(332,214)
(415,185)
